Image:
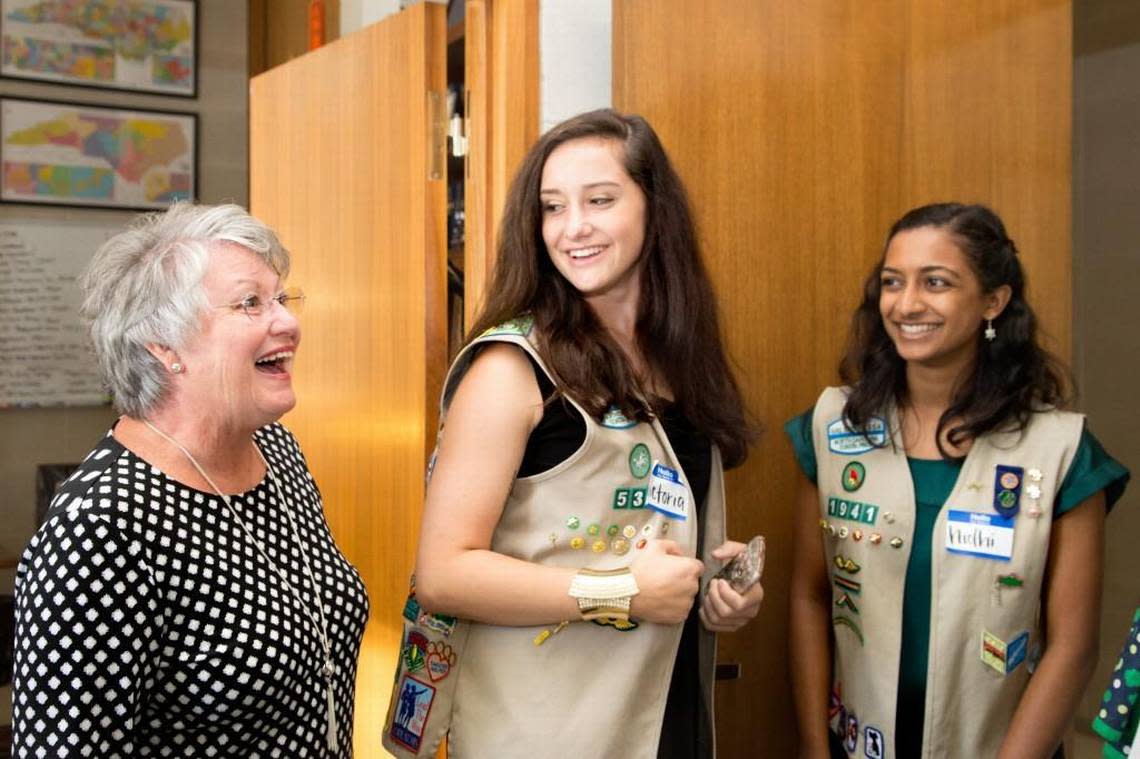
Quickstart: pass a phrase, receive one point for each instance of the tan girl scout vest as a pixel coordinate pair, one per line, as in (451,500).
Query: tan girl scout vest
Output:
(986,577)
(590,689)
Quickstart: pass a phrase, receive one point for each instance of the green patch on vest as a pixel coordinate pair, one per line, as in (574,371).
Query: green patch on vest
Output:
(854,510)
(520,325)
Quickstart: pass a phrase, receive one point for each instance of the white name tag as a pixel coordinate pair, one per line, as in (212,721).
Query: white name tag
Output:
(987,535)
(667,493)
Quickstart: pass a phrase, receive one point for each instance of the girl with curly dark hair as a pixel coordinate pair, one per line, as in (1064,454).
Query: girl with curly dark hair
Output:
(951,518)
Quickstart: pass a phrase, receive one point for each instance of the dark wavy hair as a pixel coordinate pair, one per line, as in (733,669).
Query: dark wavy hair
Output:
(1013,376)
(677,324)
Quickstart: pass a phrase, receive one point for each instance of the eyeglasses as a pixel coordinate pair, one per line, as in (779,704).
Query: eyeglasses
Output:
(292,300)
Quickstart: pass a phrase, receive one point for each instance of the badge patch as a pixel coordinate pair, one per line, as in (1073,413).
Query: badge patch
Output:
(1007,489)
(873,743)
(640,461)
(851,625)
(521,326)
(415,651)
(853,476)
(629,498)
(440,623)
(616,420)
(845,602)
(846,583)
(988,536)
(841,508)
(1004,657)
(852,732)
(667,493)
(847,564)
(412,709)
(411,608)
(440,659)
(843,440)
(619,624)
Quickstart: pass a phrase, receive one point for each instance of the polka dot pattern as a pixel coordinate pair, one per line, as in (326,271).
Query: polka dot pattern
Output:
(1116,721)
(147,624)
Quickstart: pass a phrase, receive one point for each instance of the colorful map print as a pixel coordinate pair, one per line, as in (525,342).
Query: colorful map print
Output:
(70,154)
(132,44)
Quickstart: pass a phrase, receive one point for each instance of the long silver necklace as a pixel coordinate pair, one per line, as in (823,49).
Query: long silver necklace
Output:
(329,669)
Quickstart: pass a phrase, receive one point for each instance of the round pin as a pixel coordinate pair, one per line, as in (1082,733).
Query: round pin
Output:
(641,543)
(832,531)
(875,538)
(647,529)
(1033,492)
(856,534)
(1034,475)
(843,532)
(612,530)
(620,546)
(664,528)
(629,531)
(577,543)
(1034,511)
(896,542)
(888,517)
(1008,498)
(553,538)
(853,476)
(573,522)
(1009,480)
(599,546)
(594,529)
(639,461)
(823,525)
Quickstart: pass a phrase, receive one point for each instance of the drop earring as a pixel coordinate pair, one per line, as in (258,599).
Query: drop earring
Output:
(990,333)
(176,368)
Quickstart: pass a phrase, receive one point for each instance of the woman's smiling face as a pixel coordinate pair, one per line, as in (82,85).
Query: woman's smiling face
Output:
(931,301)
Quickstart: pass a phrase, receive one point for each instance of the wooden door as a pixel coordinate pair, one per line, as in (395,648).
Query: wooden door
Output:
(347,163)
(802,130)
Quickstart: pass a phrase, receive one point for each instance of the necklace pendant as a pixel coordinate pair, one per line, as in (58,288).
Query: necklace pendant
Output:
(328,670)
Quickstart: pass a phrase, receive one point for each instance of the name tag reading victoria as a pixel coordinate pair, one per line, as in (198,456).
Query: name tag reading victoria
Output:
(986,535)
(667,493)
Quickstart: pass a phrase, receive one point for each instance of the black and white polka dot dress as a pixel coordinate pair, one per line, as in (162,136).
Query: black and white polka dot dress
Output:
(147,624)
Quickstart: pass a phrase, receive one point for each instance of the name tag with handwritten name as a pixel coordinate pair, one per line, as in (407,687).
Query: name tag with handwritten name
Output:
(667,493)
(986,535)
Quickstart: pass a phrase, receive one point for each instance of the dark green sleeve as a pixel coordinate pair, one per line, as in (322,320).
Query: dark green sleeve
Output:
(1092,470)
(798,430)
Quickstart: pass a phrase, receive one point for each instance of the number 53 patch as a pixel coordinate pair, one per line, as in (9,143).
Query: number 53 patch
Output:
(629,498)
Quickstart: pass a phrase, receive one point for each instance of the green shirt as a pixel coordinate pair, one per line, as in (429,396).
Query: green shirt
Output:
(1092,470)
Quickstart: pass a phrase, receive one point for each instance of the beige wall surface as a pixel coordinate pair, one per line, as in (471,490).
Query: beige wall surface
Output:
(61,435)
(1106,278)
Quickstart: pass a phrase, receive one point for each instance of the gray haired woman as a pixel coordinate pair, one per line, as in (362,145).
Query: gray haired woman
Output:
(184,594)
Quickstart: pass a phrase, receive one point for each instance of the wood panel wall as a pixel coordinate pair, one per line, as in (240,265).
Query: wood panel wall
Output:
(279,31)
(339,162)
(803,130)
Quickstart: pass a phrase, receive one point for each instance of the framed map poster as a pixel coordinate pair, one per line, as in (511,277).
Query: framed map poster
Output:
(138,45)
(58,153)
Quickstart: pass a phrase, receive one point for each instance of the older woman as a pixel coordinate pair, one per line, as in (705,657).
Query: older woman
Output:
(184,593)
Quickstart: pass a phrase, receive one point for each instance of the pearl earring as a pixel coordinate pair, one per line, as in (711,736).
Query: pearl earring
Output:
(990,333)
(176,368)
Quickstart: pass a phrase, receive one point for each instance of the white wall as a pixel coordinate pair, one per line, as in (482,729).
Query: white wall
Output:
(575,58)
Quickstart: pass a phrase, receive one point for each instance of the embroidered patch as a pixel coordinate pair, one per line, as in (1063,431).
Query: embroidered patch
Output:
(411,608)
(415,651)
(1007,489)
(573,523)
(843,440)
(841,508)
(853,476)
(835,703)
(847,564)
(873,743)
(850,624)
(440,623)
(616,420)
(846,583)
(440,659)
(845,602)
(413,705)
(852,731)
(993,652)
(629,498)
(622,625)
(521,325)
(640,461)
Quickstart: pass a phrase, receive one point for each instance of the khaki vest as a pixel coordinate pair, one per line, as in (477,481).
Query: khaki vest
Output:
(974,619)
(590,690)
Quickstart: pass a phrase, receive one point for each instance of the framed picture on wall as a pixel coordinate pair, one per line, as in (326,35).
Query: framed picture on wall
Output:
(58,153)
(138,45)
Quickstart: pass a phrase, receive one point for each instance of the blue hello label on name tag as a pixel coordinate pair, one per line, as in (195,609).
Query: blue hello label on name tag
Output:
(667,493)
(988,536)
